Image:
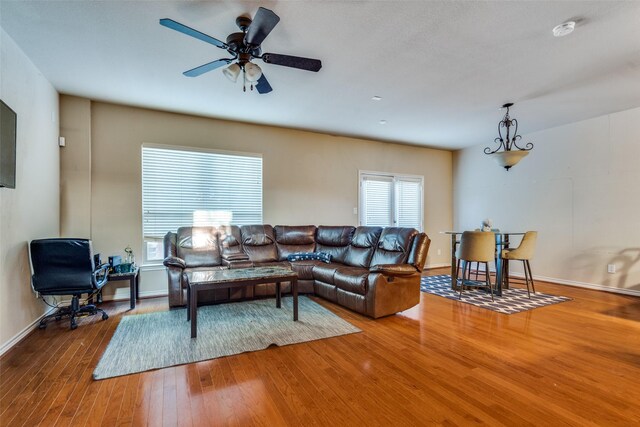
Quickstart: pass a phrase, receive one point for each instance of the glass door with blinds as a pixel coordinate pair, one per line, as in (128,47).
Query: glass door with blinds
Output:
(389,200)
(203,188)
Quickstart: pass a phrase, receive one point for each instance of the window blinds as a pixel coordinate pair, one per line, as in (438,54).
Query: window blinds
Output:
(183,188)
(409,206)
(391,200)
(377,192)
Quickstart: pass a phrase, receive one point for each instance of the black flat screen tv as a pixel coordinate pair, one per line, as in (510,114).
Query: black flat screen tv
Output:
(8,121)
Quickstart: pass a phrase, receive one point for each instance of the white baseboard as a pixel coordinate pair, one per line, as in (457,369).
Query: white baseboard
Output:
(119,296)
(430,266)
(585,285)
(22,334)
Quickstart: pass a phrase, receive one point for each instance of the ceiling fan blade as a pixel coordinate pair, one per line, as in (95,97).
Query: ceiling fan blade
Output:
(264,21)
(262,85)
(194,72)
(170,23)
(292,61)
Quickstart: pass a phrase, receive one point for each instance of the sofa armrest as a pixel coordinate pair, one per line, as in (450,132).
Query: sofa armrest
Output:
(394,269)
(419,251)
(174,261)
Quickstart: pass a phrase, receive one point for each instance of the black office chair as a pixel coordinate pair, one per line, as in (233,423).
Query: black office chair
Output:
(66,267)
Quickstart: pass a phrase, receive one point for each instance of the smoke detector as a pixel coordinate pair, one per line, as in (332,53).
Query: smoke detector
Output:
(564,29)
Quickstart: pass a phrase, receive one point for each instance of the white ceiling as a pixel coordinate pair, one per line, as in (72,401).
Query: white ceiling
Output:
(442,68)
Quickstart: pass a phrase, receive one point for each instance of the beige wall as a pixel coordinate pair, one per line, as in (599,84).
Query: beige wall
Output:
(579,187)
(75,168)
(309,178)
(31,210)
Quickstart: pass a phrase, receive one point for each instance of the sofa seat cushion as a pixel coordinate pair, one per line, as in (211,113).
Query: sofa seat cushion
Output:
(304,268)
(351,279)
(325,272)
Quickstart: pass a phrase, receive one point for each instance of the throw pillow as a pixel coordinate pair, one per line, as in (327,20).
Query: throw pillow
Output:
(305,256)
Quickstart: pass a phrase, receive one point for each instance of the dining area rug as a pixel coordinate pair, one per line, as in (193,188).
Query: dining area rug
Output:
(512,301)
(156,340)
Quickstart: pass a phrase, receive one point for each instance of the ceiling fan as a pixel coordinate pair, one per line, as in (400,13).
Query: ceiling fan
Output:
(245,46)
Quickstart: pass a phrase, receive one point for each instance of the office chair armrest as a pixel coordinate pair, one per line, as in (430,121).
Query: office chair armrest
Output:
(174,261)
(101,275)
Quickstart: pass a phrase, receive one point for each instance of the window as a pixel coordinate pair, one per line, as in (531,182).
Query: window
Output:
(188,187)
(388,200)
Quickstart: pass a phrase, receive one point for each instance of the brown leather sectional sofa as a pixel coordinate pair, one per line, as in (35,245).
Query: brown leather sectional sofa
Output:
(374,271)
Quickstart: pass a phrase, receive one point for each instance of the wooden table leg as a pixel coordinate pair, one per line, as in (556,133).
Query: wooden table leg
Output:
(294,288)
(193,302)
(278,295)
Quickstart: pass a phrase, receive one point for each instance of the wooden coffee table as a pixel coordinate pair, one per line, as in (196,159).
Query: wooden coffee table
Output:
(237,278)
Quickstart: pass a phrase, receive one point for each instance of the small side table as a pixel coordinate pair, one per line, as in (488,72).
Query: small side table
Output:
(134,283)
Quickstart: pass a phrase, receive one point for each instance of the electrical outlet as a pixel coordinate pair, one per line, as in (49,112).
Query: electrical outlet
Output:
(439,252)
(355,211)
(611,268)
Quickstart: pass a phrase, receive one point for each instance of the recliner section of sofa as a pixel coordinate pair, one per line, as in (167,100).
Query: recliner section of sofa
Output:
(374,271)
(191,249)
(297,239)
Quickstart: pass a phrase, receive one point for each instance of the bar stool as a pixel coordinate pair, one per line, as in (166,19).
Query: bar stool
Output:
(495,256)
(476,246)
(524,252)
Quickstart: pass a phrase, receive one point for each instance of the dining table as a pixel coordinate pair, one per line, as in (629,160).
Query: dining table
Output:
(502,242)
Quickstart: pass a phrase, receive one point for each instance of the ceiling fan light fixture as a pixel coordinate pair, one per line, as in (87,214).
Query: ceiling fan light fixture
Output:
(252,72)
(232,72)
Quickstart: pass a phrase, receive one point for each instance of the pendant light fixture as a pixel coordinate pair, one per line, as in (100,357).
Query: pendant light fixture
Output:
(511,153)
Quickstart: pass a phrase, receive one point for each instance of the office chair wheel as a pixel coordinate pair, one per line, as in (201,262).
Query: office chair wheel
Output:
(74,325)
(42,325)
(105,316)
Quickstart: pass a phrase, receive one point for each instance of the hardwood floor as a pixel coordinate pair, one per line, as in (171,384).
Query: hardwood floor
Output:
(442,362)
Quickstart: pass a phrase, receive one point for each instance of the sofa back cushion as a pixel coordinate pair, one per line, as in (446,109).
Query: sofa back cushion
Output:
(334,241)
(230,240)
(294,239)
(198,246)
(394,246)
(259,243)
(362,247)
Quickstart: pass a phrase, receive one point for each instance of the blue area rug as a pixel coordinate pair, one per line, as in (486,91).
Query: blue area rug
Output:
(512,300)
(161,339)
